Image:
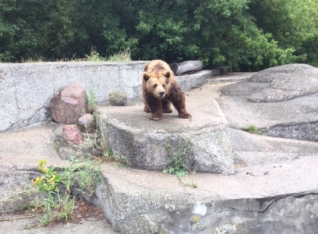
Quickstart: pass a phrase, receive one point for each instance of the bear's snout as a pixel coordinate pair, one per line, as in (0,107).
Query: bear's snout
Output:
(161,94)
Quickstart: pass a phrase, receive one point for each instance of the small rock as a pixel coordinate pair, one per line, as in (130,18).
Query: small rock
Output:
(72,135)
(118,99)
(66,153)
(86,123)
(69,104)
(59,131)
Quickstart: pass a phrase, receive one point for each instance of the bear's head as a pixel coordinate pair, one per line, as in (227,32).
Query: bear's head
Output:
(157,83)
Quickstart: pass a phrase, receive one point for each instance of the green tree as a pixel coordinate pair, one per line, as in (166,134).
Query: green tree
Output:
(292,23)
(219,32)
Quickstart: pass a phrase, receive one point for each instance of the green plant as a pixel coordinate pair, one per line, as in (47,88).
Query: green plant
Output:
(187,184)
(89,176)
(110,156)
(91,101)
(84,173)
(122,55)
(56,144)
(48,182)
(252,129)
(178,165)
(23,207)
(94,57)
(55,207)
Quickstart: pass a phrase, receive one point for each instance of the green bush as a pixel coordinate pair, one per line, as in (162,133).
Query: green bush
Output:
(246,35)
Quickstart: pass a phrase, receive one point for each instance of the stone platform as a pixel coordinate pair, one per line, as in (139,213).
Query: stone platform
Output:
(151,145)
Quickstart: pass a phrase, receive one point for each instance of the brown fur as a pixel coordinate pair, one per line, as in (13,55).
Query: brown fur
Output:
(160,89)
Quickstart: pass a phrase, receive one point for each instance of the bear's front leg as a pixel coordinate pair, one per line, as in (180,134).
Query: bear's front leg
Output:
(155,107)
(146,109)
(177,98)
(166,106)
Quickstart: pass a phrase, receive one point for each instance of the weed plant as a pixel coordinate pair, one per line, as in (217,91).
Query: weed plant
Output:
(252,129)
(59,206)
(110,156)
(91,101)
(178,165)
(122,55)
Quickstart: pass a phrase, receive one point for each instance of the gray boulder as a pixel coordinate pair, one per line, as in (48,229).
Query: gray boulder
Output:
(280,102)
(286,82)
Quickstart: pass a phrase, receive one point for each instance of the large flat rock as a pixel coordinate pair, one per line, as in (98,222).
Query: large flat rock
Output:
(286,82)
(151,145)
(280,102)
(263,198)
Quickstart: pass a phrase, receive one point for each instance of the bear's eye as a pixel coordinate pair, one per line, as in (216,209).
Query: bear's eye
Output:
(155,86)
(163,86)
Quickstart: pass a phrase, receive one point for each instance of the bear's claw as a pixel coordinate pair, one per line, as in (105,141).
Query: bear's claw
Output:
(155,118)
(167,111)
(185,116)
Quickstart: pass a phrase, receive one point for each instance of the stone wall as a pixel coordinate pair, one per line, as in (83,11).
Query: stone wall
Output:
(26,89)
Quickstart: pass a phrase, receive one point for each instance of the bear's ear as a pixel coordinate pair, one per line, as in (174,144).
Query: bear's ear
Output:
(145,76)
(146,68)
(167,75)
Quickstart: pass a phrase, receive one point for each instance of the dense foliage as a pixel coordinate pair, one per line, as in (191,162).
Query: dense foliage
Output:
(247,35)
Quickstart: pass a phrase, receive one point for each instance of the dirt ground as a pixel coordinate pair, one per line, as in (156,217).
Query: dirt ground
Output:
(86,219)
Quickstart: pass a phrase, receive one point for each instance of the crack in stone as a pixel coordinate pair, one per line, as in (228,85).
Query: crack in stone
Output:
(271,200)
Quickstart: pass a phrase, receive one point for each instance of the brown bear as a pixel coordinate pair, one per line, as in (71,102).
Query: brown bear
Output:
(160,89)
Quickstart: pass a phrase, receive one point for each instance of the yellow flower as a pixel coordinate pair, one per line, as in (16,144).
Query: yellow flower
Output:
(36,181)
(52,178)
(41,165)
(44,170)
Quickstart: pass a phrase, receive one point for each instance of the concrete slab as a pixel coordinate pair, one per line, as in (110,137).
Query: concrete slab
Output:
(22,149)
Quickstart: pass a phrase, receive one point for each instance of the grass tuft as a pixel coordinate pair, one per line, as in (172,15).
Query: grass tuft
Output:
(252,129)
